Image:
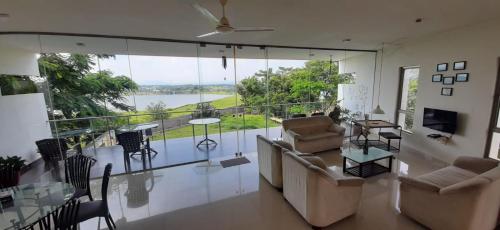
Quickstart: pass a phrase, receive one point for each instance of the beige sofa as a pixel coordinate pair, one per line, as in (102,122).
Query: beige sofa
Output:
(319,194)
(313,134)
(465,195)
(269,156)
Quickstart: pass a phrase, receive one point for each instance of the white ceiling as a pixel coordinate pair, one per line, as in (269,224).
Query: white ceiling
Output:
(312,23)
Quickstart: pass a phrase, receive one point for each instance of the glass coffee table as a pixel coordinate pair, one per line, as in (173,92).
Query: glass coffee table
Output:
(366,164)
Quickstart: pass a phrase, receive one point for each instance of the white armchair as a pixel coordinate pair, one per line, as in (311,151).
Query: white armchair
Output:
(319,194)
(465,195)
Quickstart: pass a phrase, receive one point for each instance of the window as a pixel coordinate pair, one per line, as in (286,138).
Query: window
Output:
(493,144)
(407,97)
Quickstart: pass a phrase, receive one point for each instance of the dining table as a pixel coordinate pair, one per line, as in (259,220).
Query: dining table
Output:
(29,202)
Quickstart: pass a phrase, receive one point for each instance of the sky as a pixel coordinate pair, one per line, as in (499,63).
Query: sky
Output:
(164,70)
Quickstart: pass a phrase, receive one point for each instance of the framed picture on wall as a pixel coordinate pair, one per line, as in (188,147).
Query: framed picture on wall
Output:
(462,77)
(459,65)
(446,91)
(442,67)
(448,80)
(437,78)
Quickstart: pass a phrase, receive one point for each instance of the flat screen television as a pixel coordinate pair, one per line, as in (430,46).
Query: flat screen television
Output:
(440,120)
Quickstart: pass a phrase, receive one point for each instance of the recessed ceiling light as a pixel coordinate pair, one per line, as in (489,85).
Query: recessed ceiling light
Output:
(4,17)
(419,20)
(346,40)
(80,44)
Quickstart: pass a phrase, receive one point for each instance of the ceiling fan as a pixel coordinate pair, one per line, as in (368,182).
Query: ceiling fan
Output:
(222,25)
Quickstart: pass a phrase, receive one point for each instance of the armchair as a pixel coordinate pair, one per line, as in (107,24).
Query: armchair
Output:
(464,195)
(313,134)
(319,194)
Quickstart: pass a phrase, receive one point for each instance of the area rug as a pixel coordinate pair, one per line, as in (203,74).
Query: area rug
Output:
(234,162)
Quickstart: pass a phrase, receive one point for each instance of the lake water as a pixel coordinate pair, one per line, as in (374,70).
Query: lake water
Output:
(172,101)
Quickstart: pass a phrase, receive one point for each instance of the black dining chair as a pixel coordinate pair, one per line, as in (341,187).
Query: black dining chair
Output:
(298,115)
(63,218)
(98,208)
(132,145)
(318,114)
(8,176)
(77,172)
(52,150)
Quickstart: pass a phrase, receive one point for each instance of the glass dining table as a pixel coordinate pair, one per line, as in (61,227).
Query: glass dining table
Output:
(32,201)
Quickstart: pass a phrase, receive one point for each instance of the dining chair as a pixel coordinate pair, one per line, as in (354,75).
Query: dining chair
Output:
(98,208)
(52,150)
(77,172)
(63,218)
(132,145)
(8,177)
(299,115)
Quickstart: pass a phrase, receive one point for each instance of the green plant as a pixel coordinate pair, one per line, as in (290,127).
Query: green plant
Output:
(14,161)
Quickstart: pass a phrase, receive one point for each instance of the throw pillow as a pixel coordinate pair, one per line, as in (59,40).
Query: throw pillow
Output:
(315,161)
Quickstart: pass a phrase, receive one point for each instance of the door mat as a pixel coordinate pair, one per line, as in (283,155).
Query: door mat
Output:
(234,162)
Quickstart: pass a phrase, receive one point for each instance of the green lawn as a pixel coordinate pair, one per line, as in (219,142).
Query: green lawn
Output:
(139,117)
(228,124)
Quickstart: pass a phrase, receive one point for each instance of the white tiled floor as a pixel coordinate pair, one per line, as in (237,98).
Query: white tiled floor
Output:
(197,197)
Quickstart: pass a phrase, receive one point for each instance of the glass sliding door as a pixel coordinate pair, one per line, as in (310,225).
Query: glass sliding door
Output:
(251,85)
(493,143)
(169,92)
(217,114)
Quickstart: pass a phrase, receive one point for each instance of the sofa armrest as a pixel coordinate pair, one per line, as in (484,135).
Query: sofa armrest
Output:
(464,185)
(475,164)
(293,134)
(418,184)
(337,129)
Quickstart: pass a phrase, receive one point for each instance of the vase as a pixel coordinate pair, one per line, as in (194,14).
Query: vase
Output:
(365,147)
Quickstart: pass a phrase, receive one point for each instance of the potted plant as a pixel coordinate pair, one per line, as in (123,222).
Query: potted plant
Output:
(15,164)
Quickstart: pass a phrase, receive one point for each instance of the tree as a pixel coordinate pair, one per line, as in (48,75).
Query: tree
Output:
(317,80)
(77,92)
(159,110)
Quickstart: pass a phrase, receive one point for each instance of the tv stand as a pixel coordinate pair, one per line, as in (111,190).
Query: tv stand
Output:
(439,137)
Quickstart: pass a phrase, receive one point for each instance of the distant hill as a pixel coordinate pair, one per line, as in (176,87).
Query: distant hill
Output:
(185,89)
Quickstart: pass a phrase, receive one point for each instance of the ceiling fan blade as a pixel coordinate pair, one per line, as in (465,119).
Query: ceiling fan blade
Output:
(253,29)
(206,13)
(209,34)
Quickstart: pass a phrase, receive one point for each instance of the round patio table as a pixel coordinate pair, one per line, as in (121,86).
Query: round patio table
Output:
(32,201)
(205,121)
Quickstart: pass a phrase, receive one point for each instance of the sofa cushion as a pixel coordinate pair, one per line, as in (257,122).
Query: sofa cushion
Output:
(316,161)
(447,176)
(284,144)
(315,136)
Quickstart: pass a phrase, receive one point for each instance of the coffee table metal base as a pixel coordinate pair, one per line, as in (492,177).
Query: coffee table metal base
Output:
(367,169)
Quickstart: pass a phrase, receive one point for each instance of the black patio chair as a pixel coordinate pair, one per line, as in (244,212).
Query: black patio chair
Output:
(298,115)
(63,218)
(77,172)
(8,177)
(98,208)
(318,114)
(132,145)
(52,150)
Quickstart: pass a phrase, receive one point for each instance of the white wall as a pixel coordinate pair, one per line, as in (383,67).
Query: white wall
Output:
(17,56)
(479,45)
(23,120)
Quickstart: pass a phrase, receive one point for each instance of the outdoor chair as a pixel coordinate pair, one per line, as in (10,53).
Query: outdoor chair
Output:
(77,172)
(52,150)
(63,218)
(98,208)
(298,115)
(132,145)
(8,177)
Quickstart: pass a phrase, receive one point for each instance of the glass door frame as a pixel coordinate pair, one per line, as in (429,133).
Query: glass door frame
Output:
(495,112)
